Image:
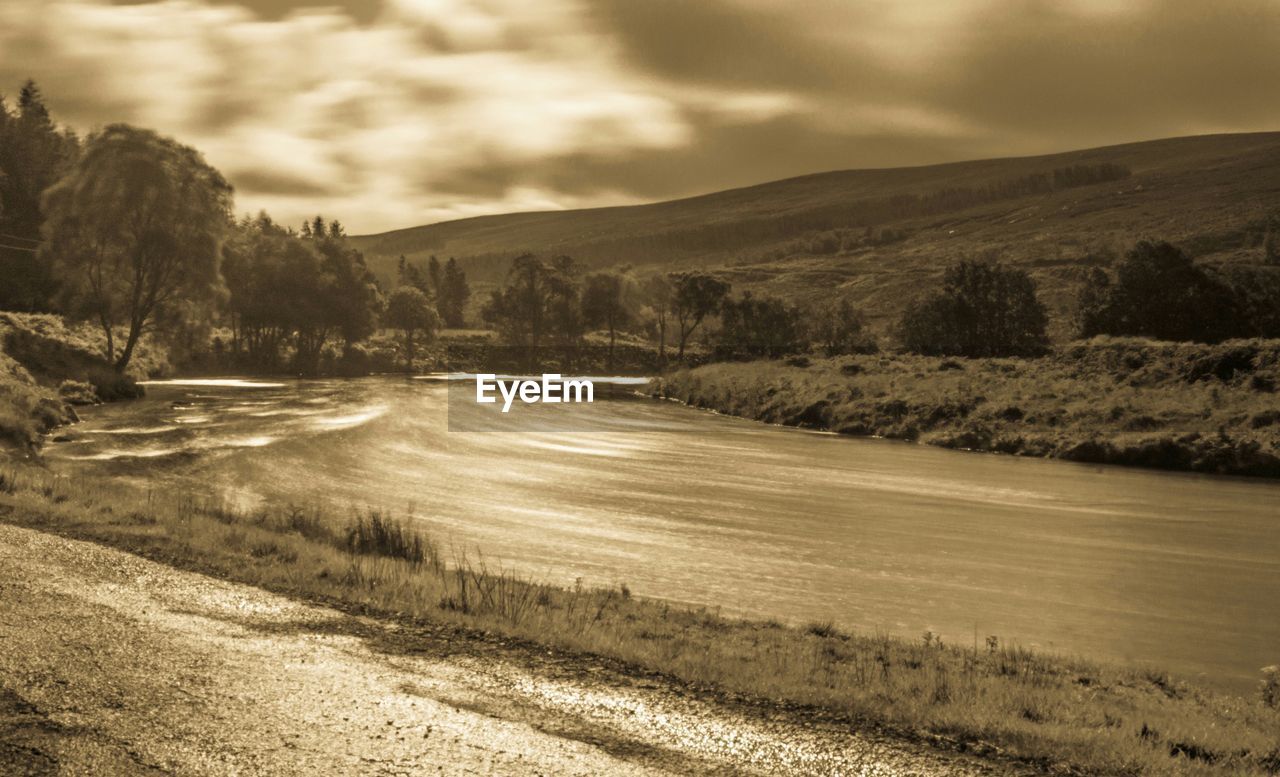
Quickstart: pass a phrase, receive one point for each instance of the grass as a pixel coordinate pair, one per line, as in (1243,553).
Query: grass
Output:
(48,364)
(1065,715)
(1182,406)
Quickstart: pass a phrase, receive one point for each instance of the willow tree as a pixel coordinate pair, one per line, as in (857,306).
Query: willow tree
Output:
(135,231)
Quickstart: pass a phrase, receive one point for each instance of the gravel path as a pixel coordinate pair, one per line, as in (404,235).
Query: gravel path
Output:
(112,664)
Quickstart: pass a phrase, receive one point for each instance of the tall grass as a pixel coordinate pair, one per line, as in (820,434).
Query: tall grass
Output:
(994,698)
(1182,406)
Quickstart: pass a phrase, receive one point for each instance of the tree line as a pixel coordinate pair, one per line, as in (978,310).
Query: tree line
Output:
(981,308)
(135,232)
(551,303)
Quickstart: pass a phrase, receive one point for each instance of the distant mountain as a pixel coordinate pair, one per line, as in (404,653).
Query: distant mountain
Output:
(880,236)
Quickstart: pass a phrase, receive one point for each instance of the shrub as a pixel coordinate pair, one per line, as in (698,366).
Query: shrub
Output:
(1159,292)
(983,309)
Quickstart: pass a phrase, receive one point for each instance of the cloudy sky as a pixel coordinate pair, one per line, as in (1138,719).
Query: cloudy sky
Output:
(392,113)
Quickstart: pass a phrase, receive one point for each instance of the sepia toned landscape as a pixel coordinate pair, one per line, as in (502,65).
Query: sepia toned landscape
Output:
(591,388)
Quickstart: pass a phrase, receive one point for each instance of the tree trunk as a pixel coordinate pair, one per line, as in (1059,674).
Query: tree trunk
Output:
(135,332)
(111,343)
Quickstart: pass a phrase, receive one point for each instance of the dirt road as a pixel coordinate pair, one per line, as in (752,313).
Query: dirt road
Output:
(112,664)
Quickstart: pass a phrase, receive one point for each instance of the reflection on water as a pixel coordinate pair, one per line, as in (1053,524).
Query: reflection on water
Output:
(1177,570)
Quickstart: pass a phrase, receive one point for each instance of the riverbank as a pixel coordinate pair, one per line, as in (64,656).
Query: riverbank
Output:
(1176,406)
(1009,704)
(49,366)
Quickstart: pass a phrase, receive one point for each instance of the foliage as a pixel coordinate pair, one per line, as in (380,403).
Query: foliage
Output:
(410,311)
(539,305)
(759,327)
(34,153)
(135,230)
(696,296)
(659,293)
(1159,292)
(287,291)
(610,301)
(983,309)
(837,328)
(453,295)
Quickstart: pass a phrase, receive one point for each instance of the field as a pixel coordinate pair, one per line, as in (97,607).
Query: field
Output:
(1178,406)
(1062,714)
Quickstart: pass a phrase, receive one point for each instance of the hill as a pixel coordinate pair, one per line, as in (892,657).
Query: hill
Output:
(877,235)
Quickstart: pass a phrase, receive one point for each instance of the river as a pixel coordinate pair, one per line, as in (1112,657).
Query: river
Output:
(1173,570)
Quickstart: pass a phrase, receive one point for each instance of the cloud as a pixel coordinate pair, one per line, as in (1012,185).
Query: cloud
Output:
(400,112)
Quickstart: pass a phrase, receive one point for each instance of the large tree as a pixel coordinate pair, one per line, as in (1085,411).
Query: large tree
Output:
(454,295)
(539,305)
(697,295)
(34,153)
(1159,292)
(609,302)
(982,309)
(136,227)
(759,327)
(660,294)
(411,311)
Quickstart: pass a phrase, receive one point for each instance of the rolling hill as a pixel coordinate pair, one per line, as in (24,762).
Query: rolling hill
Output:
(880,235)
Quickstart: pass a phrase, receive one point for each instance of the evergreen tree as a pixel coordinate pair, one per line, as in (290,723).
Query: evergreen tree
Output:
(455,294)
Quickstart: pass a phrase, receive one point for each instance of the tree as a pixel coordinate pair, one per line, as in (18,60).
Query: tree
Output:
(410,274)
(837,328)
(759,327)
(435,281)
(455,293)
(1159,292)
(983,309)
(538,306)
(697,296)
(136,228)
(34,153)
(608,302)
(411,311)
(660,294)
(351,291)
(289,290)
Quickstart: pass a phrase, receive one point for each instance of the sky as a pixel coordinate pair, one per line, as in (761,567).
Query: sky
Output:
(395,113)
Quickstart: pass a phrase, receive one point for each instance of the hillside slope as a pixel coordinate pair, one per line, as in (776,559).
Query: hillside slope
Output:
(876,235)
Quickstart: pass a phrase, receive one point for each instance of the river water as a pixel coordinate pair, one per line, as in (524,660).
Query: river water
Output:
(1178,571)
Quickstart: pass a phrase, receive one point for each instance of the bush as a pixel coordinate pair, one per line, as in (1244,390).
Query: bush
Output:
(983,309)
(1158,292)
(76,392)
(759,327)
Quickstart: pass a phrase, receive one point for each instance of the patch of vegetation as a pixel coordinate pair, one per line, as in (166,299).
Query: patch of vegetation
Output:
(47,365)
(1182,406)
(995,699)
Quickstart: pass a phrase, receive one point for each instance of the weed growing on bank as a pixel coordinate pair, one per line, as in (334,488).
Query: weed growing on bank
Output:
(993,698)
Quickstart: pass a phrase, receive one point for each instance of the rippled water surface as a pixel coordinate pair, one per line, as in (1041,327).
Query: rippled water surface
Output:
(1177,570)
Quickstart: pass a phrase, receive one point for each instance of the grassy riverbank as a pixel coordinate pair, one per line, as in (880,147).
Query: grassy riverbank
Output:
(47,365)
(1181,406)
(1065,715)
